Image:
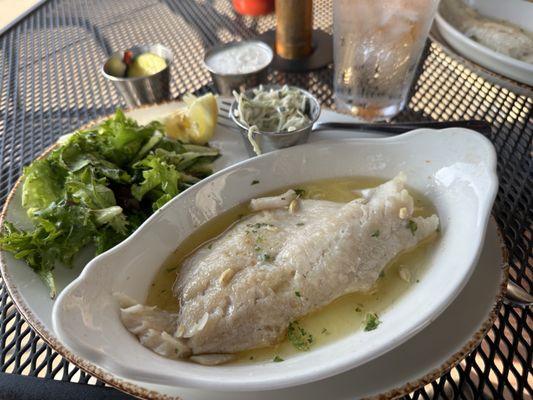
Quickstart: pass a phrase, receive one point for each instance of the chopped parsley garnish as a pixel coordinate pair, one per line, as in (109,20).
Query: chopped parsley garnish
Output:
(357,309)
(299,337)
(264,257)
(324,331)
(172,269)
(382,274)
(412,226)
(258,225)
(297,294)
(251,357)
(300,224)
(210,246)
(418,280)
(254,182)
(371,321)
(278,359)
(375,234)
(299,192)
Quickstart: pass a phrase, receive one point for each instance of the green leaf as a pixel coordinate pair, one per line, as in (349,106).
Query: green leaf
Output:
(161,201)
(106,238)
(412,226)
(371,321)
(48,279)
(170,145)
(157,174)
(184,161)
(121,138)
(88,190)
(152,142)
(43,184)
(113,216)
(299,337)
(80,151)
(73,227)
(92,193)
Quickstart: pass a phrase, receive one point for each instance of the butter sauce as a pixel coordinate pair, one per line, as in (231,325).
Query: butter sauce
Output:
(336,320)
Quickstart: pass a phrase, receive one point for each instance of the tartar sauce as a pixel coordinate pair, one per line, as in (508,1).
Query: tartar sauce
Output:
(242,58)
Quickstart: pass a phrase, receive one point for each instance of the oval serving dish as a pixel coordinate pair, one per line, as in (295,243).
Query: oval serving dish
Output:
(454,168)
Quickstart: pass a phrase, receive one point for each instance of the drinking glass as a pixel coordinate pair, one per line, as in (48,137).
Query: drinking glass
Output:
(377,46)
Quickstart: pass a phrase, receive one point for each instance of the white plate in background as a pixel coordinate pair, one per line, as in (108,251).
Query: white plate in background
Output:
(518,12)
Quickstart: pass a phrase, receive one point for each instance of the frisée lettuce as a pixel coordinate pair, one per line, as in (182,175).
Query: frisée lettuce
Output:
(97,187)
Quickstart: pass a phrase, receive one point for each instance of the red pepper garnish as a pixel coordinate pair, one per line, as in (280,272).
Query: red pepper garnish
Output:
(128,57)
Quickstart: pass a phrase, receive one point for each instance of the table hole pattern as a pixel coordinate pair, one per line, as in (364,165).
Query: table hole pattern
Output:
(50,85)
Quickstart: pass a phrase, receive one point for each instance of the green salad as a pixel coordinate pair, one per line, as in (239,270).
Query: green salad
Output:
(97,187)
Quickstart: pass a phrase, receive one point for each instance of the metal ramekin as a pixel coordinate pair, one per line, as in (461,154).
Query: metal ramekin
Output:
(227,83)
(144,89)
(270,141)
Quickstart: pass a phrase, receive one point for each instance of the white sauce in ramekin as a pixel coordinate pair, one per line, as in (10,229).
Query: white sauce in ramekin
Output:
(243,58)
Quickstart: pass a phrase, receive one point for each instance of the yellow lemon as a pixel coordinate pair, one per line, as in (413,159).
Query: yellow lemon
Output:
(197,122)
(178,125)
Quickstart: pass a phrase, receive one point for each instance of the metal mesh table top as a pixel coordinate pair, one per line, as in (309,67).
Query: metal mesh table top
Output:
(50,84)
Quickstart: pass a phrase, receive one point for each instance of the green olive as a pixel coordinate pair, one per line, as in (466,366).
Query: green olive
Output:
(116,67)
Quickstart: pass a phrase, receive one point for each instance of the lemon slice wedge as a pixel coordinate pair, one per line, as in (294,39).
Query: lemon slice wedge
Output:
(195,123)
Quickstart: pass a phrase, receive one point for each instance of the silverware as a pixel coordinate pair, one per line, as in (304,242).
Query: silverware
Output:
(270,141)
(386,129)
(516,296)
(144,89)
(402,127)
(227,83)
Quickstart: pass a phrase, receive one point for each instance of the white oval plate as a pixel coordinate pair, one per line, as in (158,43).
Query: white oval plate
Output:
(455,168)
(518,12)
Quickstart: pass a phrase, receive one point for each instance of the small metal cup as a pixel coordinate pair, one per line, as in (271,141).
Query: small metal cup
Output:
(144,89)
(227,83)
(270,141)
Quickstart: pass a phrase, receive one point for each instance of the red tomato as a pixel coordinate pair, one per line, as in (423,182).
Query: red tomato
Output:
(253,7)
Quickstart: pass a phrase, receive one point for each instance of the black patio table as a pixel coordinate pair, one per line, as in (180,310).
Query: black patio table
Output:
(50,85)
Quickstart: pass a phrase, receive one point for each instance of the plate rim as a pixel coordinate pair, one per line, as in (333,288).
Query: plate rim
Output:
(137,390)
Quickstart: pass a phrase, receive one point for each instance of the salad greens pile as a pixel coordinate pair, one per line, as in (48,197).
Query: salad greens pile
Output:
(97,187)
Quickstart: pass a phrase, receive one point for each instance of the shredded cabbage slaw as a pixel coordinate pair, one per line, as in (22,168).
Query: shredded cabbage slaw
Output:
(274,110)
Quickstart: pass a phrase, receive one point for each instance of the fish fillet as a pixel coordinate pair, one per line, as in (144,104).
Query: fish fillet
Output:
(277,265)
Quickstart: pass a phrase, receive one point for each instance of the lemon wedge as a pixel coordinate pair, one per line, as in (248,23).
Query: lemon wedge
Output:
(195,123)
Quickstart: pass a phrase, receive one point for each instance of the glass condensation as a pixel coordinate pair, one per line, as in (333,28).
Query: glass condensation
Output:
(377,46)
